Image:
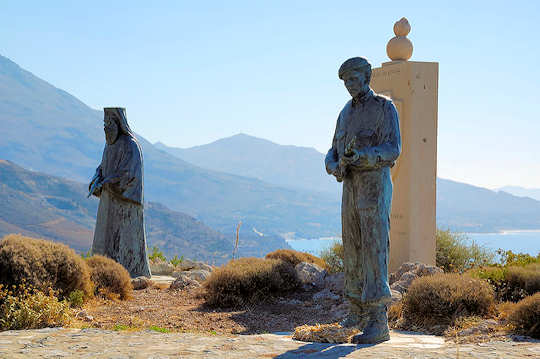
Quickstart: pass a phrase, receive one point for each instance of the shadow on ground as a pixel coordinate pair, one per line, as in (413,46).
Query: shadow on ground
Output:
(320,350)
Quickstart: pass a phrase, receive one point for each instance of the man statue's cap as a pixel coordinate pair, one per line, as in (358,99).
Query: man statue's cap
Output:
(354,63)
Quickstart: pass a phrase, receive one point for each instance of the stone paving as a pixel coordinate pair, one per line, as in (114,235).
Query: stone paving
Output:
(98,343)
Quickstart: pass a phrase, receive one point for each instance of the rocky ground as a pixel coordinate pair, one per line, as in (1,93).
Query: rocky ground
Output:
(167,318)
(99,343)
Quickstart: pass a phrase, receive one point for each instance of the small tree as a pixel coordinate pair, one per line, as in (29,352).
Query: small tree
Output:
(454,254)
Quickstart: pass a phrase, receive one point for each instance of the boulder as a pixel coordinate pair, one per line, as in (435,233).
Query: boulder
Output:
(310,274)
(186,265)
(161,268)
(184,282)
(396,296)
(408,272)
(141,283)
(198,275)
(335,282)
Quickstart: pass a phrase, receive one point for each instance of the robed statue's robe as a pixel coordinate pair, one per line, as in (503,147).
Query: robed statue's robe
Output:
(119,232)
(372,121)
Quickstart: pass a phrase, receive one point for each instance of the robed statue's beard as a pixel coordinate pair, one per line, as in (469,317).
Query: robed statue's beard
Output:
(111,137)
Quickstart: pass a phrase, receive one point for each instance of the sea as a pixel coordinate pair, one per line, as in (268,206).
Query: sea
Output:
(518,241)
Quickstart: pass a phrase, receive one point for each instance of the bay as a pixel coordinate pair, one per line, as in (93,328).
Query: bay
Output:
(518,241)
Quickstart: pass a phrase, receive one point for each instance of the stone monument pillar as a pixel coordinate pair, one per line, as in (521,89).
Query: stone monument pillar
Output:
(413,87)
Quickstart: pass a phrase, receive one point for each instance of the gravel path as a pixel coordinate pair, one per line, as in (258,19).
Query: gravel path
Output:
(98,343)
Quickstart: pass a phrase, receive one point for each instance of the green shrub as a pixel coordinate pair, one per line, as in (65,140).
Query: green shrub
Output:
(109,277)
(26,308)
(526,316)
(175,261)
(42,264)
(76,298)
(333,257)
(157,254)
(509,258)
(454,254)
(295,257)
(247,280)
(442,298)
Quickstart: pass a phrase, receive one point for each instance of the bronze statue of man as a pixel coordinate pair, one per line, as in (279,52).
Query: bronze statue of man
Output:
(118,182)
(366,145)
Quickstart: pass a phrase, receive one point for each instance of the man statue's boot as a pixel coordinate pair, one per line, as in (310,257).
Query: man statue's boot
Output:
(376,330)
(358,315)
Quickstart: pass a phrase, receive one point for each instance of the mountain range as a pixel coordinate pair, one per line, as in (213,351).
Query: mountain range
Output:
(533,193)
(45,129)
(39,205)
(197,196)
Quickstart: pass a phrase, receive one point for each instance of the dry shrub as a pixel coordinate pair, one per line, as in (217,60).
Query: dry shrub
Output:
(295,257)
(324,333)
(511,283)
(440,299)
(526,316)
(31,309)
(395,312)
(247,280)
(526,278)
(109,277)
(42,264)
(504,309)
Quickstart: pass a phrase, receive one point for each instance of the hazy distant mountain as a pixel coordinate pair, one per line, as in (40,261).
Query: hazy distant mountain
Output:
(474,209)
(522,192)
(288,166)
(46,129)
(459,206)
(44,206)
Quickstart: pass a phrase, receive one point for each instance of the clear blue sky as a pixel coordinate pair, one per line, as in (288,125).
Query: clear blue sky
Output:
(193,72)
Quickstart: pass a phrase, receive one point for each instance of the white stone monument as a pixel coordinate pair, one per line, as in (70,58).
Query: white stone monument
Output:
(413,86)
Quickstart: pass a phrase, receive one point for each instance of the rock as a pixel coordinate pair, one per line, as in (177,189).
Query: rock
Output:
(206,267)
(405,267)
(84,315)
(141,283)
(310,274)
(408,272)
(396,296)
(335,282)
(199,275)
(161,268)
(325,294)
(186,265)
(184,282)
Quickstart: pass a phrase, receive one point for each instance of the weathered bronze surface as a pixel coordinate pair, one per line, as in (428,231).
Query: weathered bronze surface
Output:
(118,181)
(365,146)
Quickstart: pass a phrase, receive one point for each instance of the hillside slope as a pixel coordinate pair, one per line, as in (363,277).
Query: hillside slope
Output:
(288,166)
(474,209)
(39,205)
(46,129)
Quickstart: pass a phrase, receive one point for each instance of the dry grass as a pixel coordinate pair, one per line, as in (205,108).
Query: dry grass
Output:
(294,257)
(248,280)
(526,316)
(26,308)
(42,264)
(438,300)
(110,278)
(324,333)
